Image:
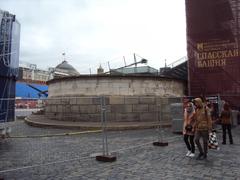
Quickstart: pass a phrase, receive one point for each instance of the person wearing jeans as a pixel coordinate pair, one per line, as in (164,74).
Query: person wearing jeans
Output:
(226,123)
(202,151)
(188,134)
(203,125)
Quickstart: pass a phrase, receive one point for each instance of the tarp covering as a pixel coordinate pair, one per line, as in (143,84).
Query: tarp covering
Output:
(213,48)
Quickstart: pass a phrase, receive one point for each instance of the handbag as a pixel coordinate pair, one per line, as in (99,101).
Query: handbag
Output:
(213,142)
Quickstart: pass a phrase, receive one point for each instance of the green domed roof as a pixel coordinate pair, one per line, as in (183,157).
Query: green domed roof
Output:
(65,69)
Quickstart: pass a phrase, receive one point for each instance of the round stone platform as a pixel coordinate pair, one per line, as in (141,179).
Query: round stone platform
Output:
(42,121)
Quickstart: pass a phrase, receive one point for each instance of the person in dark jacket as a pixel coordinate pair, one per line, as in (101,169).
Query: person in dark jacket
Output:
(225,118)
(203,126)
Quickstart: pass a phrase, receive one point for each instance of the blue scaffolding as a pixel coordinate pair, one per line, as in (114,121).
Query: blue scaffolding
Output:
(9,61)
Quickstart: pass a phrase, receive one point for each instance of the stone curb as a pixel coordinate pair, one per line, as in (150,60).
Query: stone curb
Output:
(109,127)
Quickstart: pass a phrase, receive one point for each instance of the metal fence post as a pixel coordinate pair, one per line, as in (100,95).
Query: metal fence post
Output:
(105,157)
(160,128)
(103,125)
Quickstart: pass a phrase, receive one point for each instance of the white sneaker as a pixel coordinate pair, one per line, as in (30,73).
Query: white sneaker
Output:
(191,155)
(188,153)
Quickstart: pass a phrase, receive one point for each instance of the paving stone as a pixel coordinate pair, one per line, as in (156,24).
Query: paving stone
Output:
(68,157)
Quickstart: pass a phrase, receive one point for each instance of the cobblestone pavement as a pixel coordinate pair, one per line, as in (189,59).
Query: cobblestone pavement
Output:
(72,157)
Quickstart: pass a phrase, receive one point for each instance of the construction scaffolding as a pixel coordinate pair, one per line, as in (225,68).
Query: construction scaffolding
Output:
(9,60)
(213,48)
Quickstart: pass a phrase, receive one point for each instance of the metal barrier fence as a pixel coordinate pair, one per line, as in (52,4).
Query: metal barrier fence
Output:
(27,106)
(11,108)
(52,149)
(7,109)
(119,108)
(148,110)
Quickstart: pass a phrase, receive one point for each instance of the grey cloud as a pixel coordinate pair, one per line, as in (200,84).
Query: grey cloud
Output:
(89,31)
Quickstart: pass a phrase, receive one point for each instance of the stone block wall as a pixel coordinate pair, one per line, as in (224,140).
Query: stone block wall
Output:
(116,86)
(119,108)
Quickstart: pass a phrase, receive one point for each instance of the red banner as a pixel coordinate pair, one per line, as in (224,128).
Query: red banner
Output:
(213,48)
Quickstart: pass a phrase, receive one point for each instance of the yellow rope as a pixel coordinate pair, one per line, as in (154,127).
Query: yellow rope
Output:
(54,135)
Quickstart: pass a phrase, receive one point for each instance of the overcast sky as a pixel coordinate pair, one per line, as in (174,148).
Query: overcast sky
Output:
(93,32)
